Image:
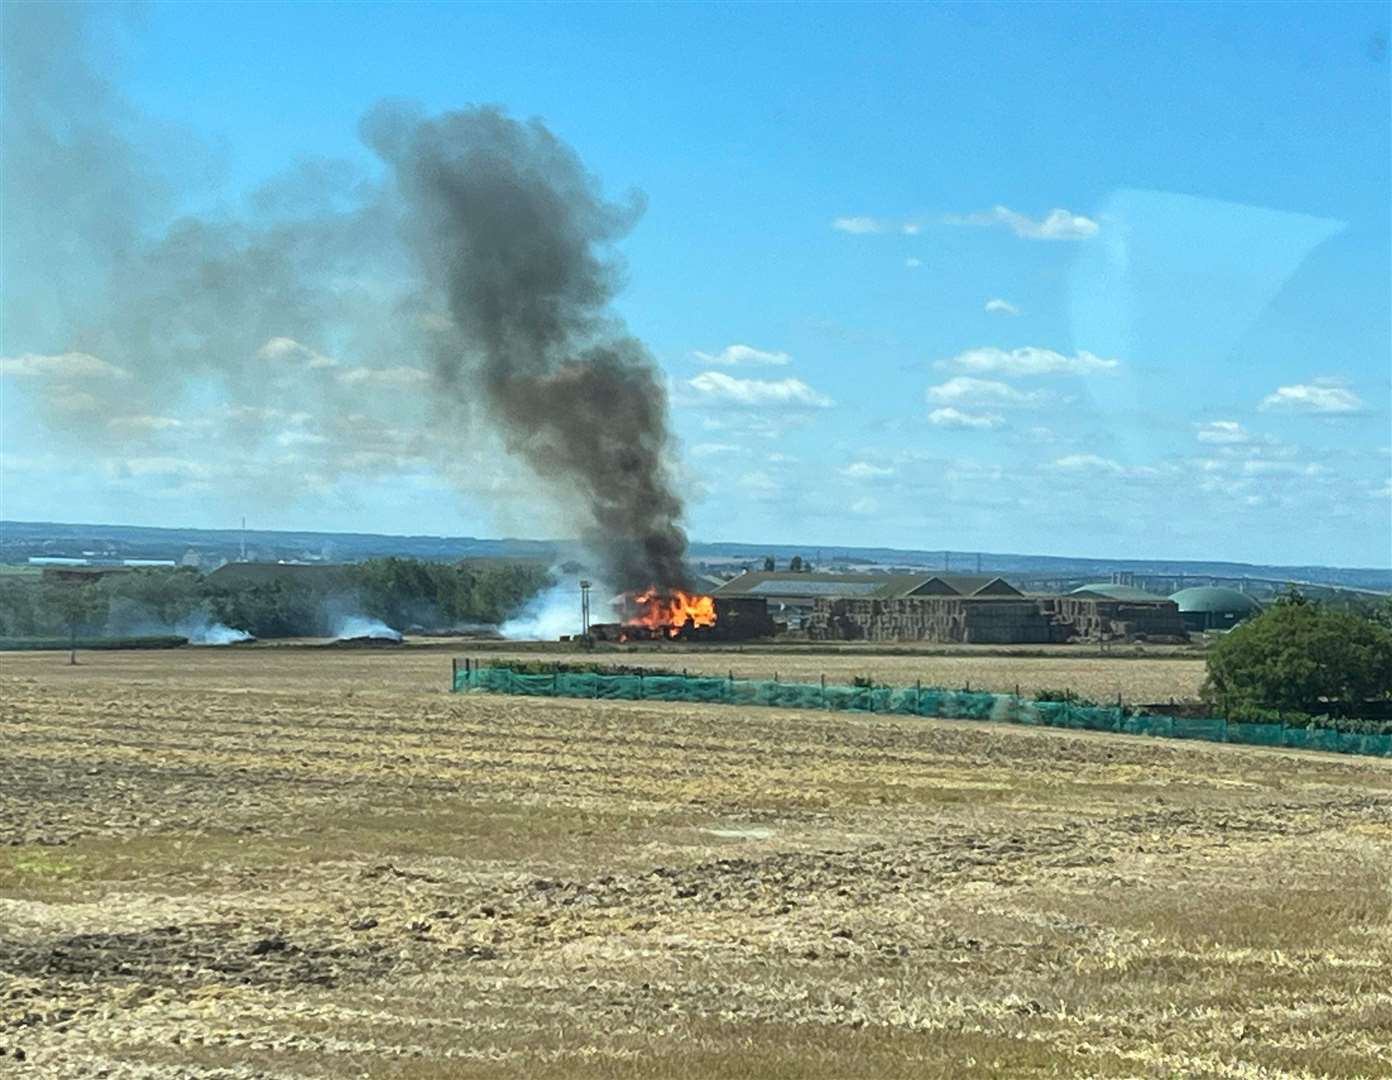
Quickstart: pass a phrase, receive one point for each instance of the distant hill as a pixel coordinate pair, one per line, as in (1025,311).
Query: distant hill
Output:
(19,540)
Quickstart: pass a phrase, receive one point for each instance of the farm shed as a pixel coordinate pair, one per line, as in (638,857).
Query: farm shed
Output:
(794,597)
(1112,591)
(264,573)
(1208,607)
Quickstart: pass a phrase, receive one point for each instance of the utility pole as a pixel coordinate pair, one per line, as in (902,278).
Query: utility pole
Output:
(585,608)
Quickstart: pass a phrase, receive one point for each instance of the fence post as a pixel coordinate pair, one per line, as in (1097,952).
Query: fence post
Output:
(454,674)
(555,676)
(640,686)
(825,704)
(730,693)
(918,697)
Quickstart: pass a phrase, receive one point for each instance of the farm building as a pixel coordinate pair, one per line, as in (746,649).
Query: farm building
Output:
(252,573)
(793,596)
(980,609)
(1210,608)
(1113,591)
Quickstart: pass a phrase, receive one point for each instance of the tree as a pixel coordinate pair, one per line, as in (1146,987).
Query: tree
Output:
(159,596)
(795,564)
(768,562)
(1302,656)
(77,603)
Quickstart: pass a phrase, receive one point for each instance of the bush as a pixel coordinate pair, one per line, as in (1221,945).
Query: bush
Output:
(1301,657)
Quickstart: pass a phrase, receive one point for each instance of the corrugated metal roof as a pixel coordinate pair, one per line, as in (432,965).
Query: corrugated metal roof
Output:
(967,585)
(1115,592)
(790,584)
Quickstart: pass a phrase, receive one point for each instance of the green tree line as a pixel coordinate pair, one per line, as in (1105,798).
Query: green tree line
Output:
(401,592)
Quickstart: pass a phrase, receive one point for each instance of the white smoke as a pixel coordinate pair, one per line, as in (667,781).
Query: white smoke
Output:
(200,630)
(360,626)
(556,612)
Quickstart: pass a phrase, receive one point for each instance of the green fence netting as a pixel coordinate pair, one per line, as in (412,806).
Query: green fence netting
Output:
(911,701)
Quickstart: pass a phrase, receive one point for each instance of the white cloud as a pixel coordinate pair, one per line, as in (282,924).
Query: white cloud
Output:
(949,417)
(860,226)
(865,507)
(758,481)
(715,449)
(864,470)
(997,306)
(1266,467)
(69,399)
(70,365)
(1326,396)
(735,355)
(1028,361)
(1057,224)
(392,376)
(912,263)
(1223,432)
(144,423)
(183,468)
(300,438)
(715,387)
(260,414)
(1384,492)
(290,350)
(1088,463)
(965,390)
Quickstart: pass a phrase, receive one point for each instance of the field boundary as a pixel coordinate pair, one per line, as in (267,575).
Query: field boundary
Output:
(917,700)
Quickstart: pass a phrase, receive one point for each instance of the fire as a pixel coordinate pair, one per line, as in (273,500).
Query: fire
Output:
(673,611)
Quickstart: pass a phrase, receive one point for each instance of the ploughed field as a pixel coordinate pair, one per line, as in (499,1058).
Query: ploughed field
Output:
(317,863)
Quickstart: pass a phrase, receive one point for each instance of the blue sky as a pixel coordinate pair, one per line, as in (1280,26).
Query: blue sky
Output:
(1072,279)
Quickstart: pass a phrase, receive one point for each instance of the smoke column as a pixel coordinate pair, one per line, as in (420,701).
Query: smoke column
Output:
(513,231)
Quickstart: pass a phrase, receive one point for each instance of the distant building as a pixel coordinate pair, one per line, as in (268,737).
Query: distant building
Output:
(97,560)
(1115,591)
(793,595)
(1209,607)
(966,608)
(263,573)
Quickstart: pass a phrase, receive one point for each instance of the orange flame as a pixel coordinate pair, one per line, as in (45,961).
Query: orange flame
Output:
(673,611)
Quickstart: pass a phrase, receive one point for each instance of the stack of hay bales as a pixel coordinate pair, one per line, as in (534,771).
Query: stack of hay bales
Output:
(988,620)
(1099,619)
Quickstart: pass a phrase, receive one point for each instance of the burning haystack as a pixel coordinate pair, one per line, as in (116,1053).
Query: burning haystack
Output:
(682,616)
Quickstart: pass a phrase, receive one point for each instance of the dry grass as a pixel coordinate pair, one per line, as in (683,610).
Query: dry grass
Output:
(1156,674)
(285,862)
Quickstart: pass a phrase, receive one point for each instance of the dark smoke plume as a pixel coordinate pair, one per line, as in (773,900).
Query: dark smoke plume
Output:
(508,223)
(278,346)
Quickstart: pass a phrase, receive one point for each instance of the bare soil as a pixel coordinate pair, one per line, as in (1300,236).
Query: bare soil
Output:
(317,863)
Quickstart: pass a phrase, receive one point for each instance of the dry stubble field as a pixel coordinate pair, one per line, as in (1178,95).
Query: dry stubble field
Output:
(298,863)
